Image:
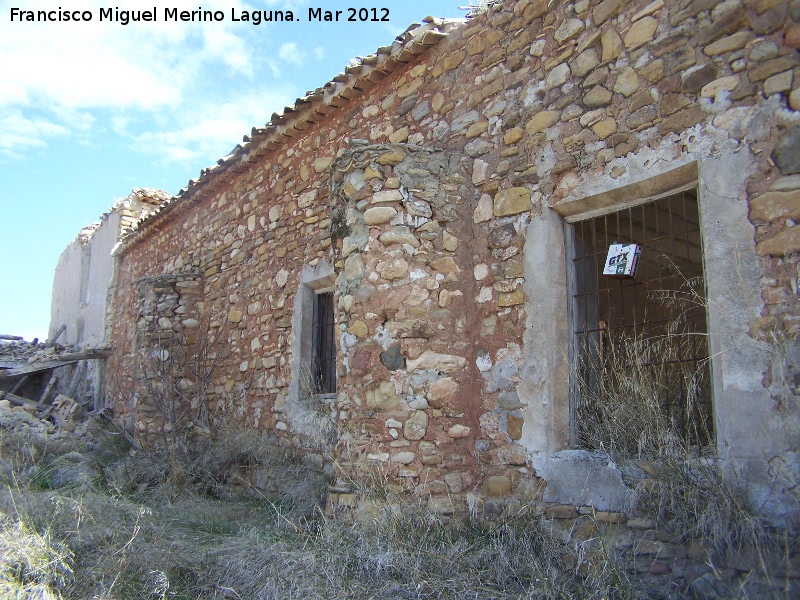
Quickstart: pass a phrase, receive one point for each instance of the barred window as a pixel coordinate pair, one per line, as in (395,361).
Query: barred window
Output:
(323,347)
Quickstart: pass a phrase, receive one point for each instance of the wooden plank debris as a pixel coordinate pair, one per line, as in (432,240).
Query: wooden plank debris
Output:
(35,368)
(87,354)
(65,410)
(59,360)
(48,388)
(20,401)
(19,384)
(11,338)
(61,330)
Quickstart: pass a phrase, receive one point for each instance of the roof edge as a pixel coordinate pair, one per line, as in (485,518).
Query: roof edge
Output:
(306,111)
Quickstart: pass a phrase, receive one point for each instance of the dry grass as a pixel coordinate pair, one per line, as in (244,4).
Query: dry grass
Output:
(639,402)
(32,564)
(478,7)
(109,537)
(151,523)
(636,399)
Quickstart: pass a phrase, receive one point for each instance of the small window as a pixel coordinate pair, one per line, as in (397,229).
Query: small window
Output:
(639,347)
(323,347)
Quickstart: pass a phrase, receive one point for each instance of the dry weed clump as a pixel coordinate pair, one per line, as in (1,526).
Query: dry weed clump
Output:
(183,435)
(115,522)
(95,538)
(179,423)
(32,564)
(478,7)
(638,401)
(636,398)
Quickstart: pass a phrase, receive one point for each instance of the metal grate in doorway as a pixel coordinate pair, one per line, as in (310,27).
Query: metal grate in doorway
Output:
(655,322)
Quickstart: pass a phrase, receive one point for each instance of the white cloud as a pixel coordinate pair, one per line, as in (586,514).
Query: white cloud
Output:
(120,123)
(106,64)
(185,91)
(290,53)
(206,129)
(19,133)
(65,78)
(76,120)
(293,5)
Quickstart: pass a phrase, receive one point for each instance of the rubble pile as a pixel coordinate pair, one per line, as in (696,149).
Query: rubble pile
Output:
(50,431)
(43,377)
(41,414)
(24,352)
(68,440)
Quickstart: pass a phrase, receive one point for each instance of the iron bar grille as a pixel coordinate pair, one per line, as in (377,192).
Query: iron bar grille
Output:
(323,349)
(630,333)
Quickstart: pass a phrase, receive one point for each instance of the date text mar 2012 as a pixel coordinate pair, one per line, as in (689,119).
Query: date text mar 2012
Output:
(348,14)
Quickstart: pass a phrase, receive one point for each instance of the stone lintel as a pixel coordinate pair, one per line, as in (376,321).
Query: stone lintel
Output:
(629,195)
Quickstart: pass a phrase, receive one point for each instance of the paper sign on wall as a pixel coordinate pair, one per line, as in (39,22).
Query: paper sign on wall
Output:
(622,260)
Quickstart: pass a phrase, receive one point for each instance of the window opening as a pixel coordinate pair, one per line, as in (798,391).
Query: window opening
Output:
(639,346)
(323,350)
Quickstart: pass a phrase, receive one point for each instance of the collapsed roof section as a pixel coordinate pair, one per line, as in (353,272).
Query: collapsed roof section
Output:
(360,75)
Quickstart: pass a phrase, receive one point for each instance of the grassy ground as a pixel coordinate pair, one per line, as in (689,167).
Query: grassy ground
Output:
(100,524)
(89,518)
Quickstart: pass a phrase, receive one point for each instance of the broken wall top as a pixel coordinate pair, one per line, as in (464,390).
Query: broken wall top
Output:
(140,202)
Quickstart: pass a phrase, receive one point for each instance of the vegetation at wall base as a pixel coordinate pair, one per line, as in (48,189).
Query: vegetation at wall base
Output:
(229,513)
(108,536)
(645,407)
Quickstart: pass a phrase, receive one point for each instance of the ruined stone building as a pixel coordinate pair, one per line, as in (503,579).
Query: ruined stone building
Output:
(83,274)
(402,271)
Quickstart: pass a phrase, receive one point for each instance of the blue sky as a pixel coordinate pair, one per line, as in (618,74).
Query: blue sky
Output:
(89,111)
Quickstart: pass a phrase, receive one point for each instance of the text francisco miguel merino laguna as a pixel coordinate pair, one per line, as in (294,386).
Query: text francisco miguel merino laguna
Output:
(255,17)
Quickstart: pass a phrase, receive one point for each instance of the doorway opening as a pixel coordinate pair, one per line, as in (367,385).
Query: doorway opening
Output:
(640,364)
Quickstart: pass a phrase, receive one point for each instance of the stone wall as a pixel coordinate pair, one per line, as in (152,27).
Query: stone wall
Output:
(169,353)
(431,196)
(406,397)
